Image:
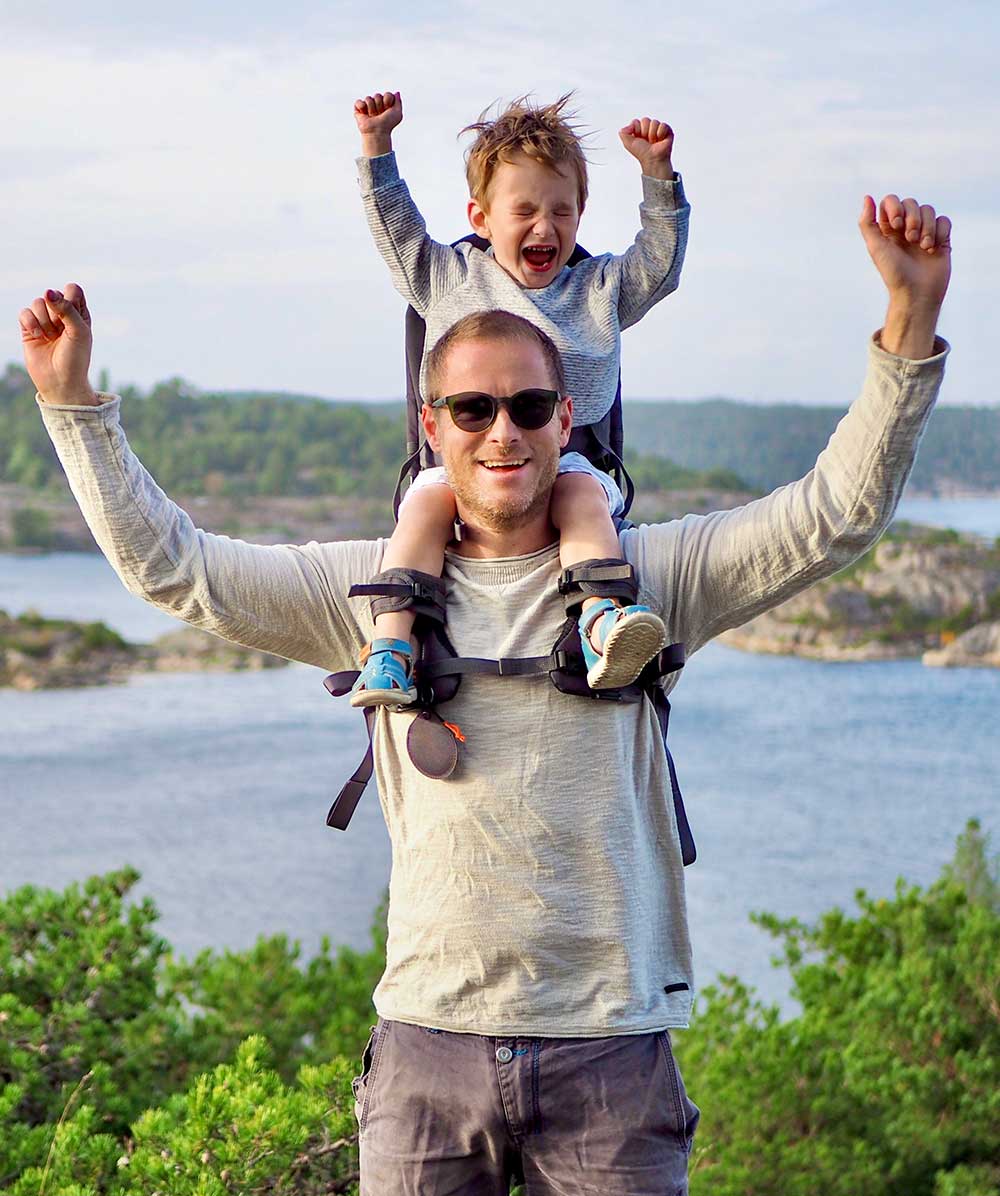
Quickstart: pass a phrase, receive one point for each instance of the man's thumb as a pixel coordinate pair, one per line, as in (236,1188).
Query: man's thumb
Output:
(868,225)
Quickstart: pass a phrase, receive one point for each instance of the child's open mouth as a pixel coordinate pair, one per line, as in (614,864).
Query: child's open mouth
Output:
(539,257)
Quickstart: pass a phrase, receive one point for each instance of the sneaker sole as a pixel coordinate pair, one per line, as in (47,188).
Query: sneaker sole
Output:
(383,697)
(630,646)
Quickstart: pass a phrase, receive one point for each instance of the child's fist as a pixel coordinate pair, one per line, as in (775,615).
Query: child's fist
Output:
(378,114)
(650,142)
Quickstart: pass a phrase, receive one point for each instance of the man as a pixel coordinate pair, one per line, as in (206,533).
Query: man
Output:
(538,952)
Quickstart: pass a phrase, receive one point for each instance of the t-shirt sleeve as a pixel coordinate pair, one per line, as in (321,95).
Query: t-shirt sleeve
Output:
(709,573)
(287,599)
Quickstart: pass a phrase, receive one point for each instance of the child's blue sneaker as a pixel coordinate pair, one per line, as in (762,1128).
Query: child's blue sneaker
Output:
(629,638)
(385,680)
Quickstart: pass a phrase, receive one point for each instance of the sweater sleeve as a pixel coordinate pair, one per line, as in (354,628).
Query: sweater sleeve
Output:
(708,573)
(422,269)
(285,599)
(650,268)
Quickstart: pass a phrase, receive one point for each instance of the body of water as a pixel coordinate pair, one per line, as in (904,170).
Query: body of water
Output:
(978,515)
(804,781)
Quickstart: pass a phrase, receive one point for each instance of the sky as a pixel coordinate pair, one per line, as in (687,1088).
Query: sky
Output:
(192,165)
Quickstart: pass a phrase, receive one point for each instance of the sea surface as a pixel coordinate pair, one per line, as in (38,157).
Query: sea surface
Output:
(804,781)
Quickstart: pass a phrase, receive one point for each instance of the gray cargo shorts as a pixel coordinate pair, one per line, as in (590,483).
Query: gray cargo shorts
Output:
(445,1114)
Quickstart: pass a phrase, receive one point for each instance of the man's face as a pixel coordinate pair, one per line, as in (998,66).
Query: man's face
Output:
(530,215)
(501,478)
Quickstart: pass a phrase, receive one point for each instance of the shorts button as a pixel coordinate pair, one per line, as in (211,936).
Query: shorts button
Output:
(504,1054)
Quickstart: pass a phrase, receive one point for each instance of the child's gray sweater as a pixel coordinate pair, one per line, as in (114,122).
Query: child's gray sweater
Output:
(583,309)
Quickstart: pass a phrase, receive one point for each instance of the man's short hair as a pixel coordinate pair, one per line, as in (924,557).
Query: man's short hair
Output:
(541,131)
(491,326)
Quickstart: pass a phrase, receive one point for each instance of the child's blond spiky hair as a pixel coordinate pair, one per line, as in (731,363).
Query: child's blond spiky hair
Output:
(542,131)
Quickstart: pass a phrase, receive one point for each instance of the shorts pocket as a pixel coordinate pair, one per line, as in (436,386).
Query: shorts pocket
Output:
(685,1113)
(363,1084)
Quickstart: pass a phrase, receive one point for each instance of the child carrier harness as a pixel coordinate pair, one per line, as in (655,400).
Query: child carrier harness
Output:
(432,743)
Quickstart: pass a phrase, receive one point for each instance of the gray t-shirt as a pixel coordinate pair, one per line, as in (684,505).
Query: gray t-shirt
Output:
(539,891)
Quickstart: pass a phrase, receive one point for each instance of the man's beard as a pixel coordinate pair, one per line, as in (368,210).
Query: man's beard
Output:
(504,514)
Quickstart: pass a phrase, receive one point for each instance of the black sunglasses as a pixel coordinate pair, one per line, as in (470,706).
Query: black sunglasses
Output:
(473,411)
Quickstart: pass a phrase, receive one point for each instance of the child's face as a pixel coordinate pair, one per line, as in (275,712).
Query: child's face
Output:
(531,216)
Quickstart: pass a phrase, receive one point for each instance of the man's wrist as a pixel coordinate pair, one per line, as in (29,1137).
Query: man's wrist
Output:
(910,326)
(78,397)
(375,145)
(663,171)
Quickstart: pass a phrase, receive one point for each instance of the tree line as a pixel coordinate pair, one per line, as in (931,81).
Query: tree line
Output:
(774,443)
(228,444)
(197,443)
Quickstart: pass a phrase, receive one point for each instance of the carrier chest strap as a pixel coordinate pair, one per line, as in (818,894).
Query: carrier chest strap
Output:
(669,660)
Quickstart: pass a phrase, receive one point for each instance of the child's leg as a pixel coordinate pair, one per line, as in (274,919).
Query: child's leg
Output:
(426,522)
(624,641)
(426,525)
(586,529)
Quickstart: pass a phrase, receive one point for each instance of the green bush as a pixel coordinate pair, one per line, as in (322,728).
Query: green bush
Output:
(126,1073)
(889,1081)
(98,1024)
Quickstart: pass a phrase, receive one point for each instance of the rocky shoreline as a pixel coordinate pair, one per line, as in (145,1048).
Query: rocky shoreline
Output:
(39,653)
(919,593)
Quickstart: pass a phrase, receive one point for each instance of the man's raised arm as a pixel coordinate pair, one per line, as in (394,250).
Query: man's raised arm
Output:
(288,600)
(713,572)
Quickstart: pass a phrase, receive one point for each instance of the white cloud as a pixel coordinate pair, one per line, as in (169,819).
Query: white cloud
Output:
(198,177)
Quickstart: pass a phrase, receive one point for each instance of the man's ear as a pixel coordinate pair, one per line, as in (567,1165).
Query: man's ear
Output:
(479,219)
(565,415)
(428,417)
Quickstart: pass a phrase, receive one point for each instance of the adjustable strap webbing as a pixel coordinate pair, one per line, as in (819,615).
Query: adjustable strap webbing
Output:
(689,853)
(346,801)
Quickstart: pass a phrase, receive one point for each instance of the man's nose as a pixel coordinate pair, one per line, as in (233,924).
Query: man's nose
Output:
(504,431)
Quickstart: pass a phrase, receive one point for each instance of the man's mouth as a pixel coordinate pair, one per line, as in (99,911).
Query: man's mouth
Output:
(507,465)
(539,258)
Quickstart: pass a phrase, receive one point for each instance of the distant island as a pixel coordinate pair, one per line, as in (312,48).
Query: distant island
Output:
(40,653)
(920,592)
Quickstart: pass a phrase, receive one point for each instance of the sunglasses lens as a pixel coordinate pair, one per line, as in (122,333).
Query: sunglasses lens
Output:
(472,412)
(532,409)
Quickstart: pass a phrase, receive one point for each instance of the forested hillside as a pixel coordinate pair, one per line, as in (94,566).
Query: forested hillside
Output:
(771,444)
(258,444)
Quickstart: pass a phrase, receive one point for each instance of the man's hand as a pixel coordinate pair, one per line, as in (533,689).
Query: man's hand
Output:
(376,118)
(651,142)
(56,339)
(911,248)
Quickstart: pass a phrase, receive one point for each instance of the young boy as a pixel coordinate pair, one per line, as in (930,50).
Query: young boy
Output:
(527,177)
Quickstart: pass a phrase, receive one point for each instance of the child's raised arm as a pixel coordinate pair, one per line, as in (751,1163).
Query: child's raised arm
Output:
(651,267)
(376,117)
(650,142)
(422,270)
